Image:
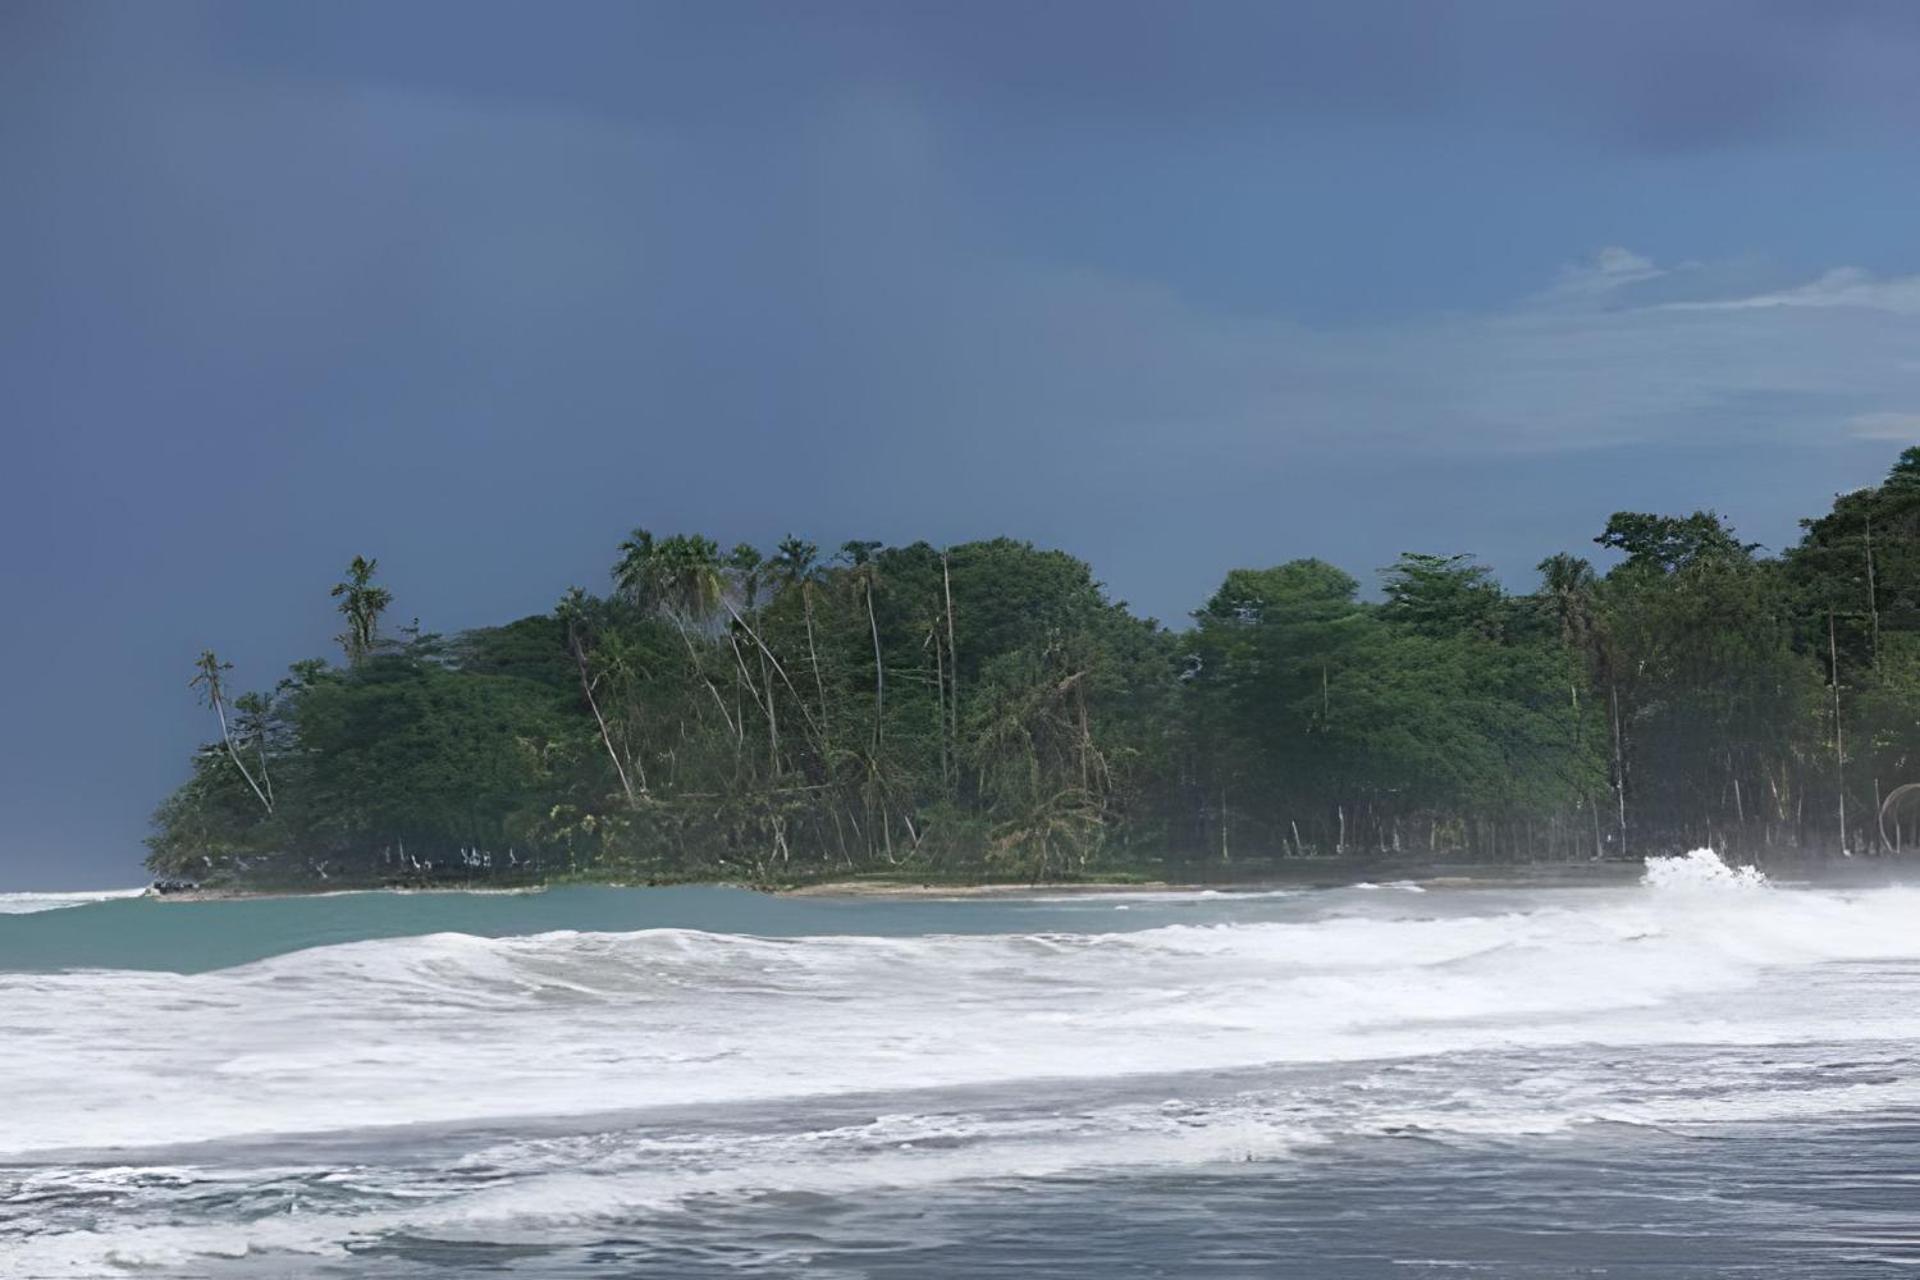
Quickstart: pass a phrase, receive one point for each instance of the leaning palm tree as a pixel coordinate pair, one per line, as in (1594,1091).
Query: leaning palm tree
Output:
(212,685)
(680,578)
(362,603)
(575,615)
(253,716)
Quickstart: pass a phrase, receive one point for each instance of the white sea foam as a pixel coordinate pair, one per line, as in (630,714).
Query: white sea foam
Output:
(1377,1010)
(1159,897)
(1701,869)
(450,1027)
(20,904)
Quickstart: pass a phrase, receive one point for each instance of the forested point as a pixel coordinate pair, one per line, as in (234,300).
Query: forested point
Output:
(986,712)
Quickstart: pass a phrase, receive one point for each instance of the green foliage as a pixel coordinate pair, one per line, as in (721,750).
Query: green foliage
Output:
(361,603)
(1352,726)
(1664,544)
(1442,596)
(987,710)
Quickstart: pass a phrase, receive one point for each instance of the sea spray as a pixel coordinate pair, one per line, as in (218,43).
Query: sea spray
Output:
(437,1028)
(561,1088)
(25,904)
(1700,870)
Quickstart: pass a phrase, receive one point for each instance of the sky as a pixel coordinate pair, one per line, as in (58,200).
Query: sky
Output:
(476,288)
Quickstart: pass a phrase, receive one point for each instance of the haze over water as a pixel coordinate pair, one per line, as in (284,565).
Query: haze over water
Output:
(1701,1073)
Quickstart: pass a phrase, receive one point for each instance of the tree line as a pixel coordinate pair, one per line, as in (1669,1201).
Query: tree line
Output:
(987,711)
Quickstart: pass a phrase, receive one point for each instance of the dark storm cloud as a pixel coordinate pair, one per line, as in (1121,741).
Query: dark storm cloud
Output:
(475,288)
(1642,72)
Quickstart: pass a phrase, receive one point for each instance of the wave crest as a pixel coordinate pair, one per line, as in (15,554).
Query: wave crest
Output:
(1698,870)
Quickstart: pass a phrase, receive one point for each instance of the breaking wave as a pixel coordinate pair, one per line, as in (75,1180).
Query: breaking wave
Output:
(616,1074)
(1701,869)
(21,904)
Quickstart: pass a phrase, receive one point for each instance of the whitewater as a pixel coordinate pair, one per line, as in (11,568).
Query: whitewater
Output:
(1377,1080)
(20,904)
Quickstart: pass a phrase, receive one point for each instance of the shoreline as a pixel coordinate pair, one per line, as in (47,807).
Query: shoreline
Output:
(829,889)
(224,894)
(1321,875)
(1305,877)
(906,889)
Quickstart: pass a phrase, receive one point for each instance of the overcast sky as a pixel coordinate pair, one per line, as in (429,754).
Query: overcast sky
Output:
(476,288)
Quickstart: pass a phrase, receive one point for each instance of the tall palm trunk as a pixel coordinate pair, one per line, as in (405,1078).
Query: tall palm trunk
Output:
(879,671)
(1839,751)
(700,670)
(940,685)
(773,717)
(1619,760)
(767,659)
(266,779)
(219,709)
(606,736)
(953,659)
(819,684)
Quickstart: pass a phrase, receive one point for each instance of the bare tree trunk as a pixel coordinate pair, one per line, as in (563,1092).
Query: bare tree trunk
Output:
(767,657)
(953,654)
(879,676)
(1619,760)
(1839,752)
(746,679)
(693,656)
(773,721)
(260,749)
(1226,855)
(940,682)
(819,685)
(606,738)
(1873,598)
(226,737)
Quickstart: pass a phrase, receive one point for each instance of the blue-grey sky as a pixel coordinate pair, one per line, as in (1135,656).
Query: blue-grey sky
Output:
(477,287)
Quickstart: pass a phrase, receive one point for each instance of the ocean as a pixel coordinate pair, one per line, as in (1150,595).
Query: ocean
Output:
(1694,1072)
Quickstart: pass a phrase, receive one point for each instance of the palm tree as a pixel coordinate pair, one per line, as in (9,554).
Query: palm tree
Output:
(212,688)
(635,572)
(362,603)
(794,562)
(680,577)
(687,575)
(1568,583)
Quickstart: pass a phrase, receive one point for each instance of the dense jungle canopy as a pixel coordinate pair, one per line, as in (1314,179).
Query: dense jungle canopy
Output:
(987,711)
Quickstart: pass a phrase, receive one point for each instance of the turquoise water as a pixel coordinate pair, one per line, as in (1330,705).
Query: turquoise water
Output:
(196,936)
(1703,1074)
